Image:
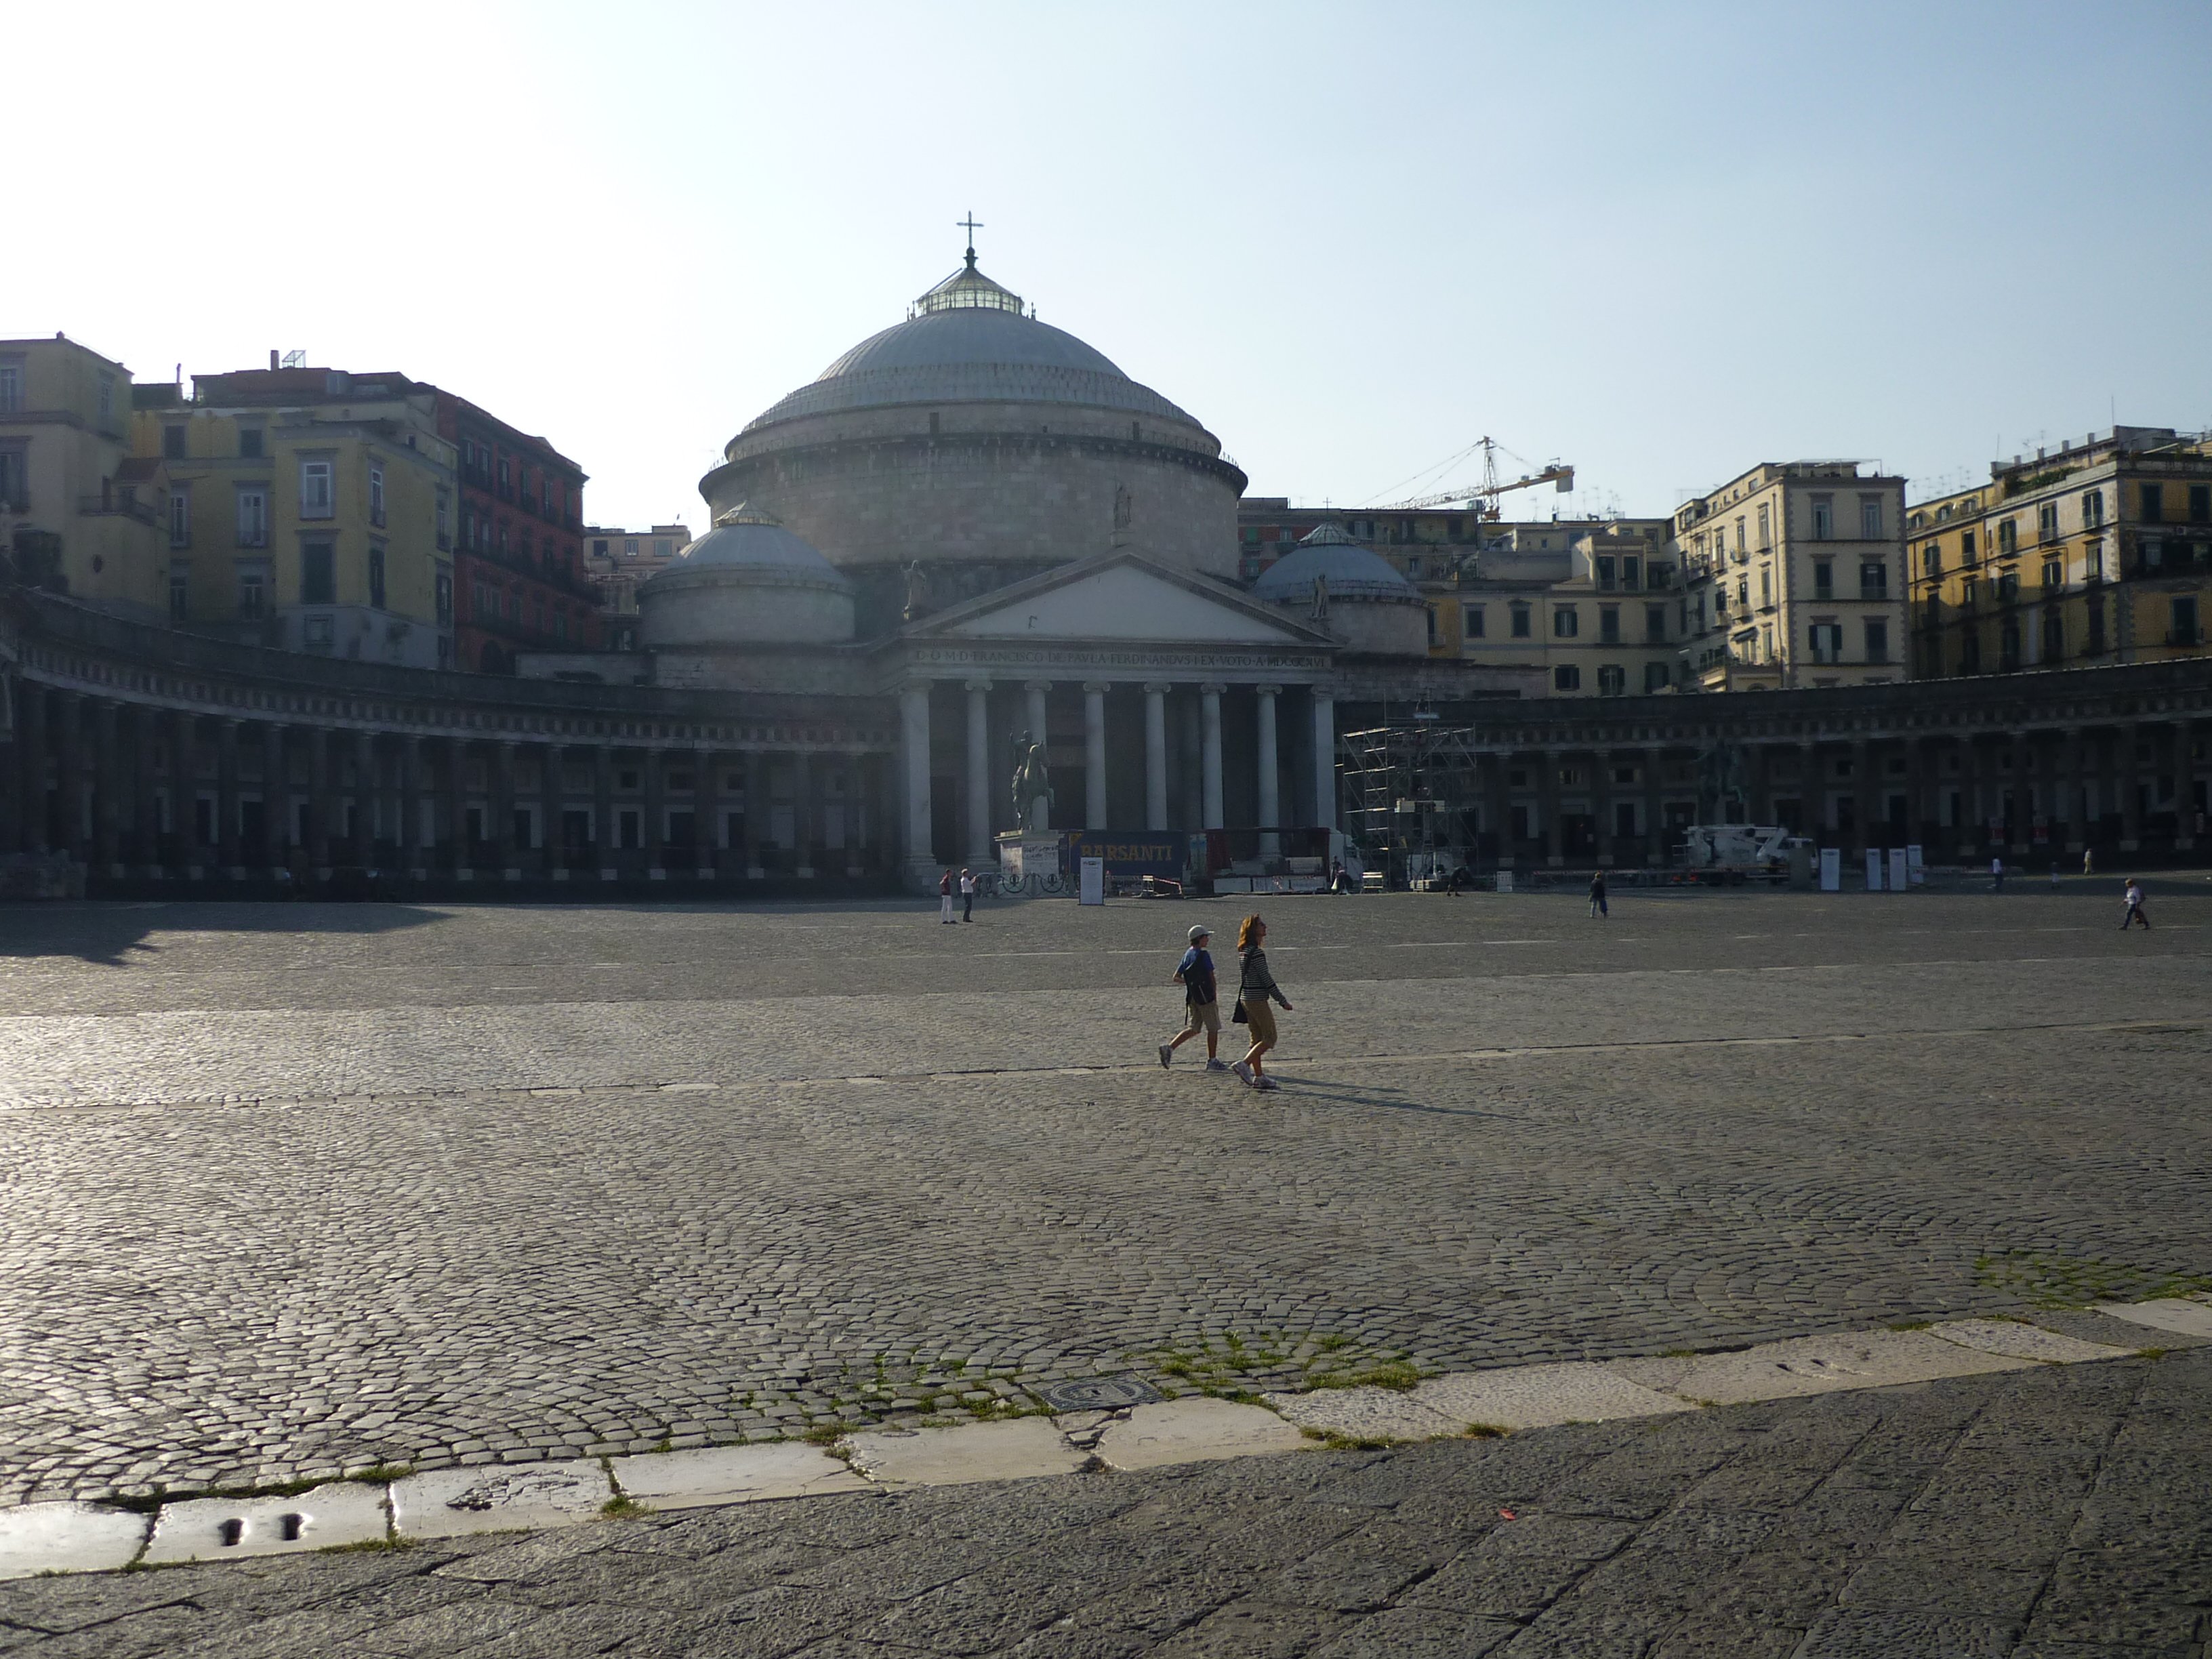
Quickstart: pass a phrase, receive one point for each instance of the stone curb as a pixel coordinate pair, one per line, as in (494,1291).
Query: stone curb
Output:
(72,1537)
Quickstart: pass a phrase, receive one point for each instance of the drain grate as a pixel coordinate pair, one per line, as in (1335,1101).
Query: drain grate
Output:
(1098,1393)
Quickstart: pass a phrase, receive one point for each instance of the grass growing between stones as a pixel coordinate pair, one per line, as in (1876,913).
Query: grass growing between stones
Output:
(1233,1366)
(2043,1280)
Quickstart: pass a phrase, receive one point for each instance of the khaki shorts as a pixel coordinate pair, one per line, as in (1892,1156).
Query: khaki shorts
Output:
(1202,1016)
(1260,1017)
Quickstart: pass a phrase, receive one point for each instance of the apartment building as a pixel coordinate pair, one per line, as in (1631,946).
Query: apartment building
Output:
(1592,607)
(309,509)
(618,561)
(2101,552)
(520,568)
(78,512)
(1794,576)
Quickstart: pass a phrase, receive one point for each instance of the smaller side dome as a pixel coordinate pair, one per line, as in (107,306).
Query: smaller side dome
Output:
(747,581)
(1353,572)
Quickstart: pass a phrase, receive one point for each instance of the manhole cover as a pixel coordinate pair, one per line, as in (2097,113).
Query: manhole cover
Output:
(1098,1393)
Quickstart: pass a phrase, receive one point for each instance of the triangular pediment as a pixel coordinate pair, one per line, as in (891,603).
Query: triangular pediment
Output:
(1121,597)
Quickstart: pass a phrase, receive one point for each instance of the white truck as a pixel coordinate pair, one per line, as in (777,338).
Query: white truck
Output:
(1737,852)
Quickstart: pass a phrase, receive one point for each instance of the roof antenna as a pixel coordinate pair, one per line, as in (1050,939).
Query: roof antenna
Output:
(971,225)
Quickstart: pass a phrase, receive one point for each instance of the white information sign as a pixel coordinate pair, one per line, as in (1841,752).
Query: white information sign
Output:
(1504,881)
(1091,889)
(1873,869)
(1899,871)
(1914,874)
(1832,870)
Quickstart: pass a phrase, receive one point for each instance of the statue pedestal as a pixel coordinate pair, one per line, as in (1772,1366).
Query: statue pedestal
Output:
(1025,852)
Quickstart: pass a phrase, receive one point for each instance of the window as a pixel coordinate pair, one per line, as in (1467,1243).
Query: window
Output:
(2096,627)
(503,534)
(253,515)
(1877,640)
(2054,635)
(106,404)
(2008,537)
(1827,642)
(180,516)
(1612,680)
(317,633)
(1566,677)
(1874,579)
(1604,574)
(1413,568)
(11,383)
(2185,623)
(376,496)
(2200,503)
(2046,521)
(15,477)
(1654,624)
(179,597)
(2152,500)
(1931,559)
(2093,508)
(1824,519)
(600,548)
(2092,562)
(1739,542)
(319,583)
(629,549)
(1631,570)
(2054,574)
(1522,627)
(173,442)
(662,547)
(253,592)
(1970,651)
(1431,616)
(1966,547)
(1655,677)
(317,498)
(1566,624)
(249,442)
(376,578)
(1869,518)
(2008,587)
(1765,587)
(560,625)
(506,488)
(1470,621)
(444,599)
(445,519)
(1824,578)
(1608,624)
(1765,533)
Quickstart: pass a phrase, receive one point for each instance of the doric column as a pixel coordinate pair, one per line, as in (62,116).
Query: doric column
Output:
(656,814)
(914,750)
(502,810)
(1271,811)
(410,808)
(854,769)
(1917,813)
(1655,804)
(1156,755)
(1496,771)
(806,827)
(1601,802)
(1812,798)
(2077,805)
(2185,784)
(31,704)
(1209,753)
(1863,782)
(1972,820)
(1324,756)
(185,788)
(276,799)
(552,796)
(1548,785)
(69,774)
(364,799)
(706,810)
(603,840)
(1761,803)
(979,773)
(2129,782)
(318,800)
(108,763)
(1033,708)
(757,811)
(1094,754)
(2023,793)
(457,804)
(228,853)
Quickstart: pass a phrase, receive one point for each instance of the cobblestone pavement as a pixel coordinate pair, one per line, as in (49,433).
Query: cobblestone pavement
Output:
(846,1164)
(2050,1514)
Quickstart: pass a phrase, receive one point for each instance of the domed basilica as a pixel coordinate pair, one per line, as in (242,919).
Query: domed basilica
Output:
(980,518)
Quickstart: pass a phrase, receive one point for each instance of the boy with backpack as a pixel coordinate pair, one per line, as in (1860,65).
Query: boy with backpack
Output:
(1201,1003)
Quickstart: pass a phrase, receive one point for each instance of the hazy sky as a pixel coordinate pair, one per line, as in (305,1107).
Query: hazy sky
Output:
(1664,242)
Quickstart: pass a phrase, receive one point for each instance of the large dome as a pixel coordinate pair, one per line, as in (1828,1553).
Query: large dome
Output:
(970,341)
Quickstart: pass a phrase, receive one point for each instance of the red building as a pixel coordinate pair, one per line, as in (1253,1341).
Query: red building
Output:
(518,577)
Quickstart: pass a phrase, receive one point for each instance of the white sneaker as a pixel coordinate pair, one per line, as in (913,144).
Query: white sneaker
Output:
(1217,1064)
(1243,1073)
(1167,1055)
(1266,1083)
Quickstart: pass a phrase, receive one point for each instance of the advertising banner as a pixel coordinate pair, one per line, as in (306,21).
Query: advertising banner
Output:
(1130,853)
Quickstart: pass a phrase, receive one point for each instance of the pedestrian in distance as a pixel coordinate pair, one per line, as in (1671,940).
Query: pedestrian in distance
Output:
(2054,875)
(967,896)
(1255,986)
(1201,1006)
(1597,895)
(945,896)
(2088,861)
(2135,910)
(1996,873)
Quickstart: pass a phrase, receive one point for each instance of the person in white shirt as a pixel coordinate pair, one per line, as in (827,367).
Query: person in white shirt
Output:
(967,896)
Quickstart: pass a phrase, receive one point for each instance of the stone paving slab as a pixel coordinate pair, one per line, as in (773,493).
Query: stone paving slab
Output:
(1021,1448)
(733,1474)
(2019,1340)
(1537,1396)
(492,1497)
(68,1537)
(1365,1414)
(2183,1316)
(224,1528)
(1811,1364)
(1194,1430)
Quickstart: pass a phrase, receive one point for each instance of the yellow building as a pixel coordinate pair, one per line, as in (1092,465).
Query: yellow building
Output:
(310,510)
(2101,552)
(1794,576)
(1590,607)
(78,514)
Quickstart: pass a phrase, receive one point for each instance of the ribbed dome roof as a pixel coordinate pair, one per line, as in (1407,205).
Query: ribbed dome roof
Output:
(1353,571)
(745,538)
(970,341)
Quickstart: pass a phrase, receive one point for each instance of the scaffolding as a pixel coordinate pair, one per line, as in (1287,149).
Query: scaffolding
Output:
(1410,795)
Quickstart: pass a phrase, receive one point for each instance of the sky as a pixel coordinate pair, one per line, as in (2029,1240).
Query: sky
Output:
(1661,242)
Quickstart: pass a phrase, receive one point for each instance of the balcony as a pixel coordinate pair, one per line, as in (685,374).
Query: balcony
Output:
(2185,636)
(107,506)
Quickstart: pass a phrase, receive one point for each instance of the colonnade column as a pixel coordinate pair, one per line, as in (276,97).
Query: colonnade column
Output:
(1601,802)
(1761,803)
(805,814)
(183,789)
(2185,784)
(1863,790)
(552,794)
(1094,754)
(69,772)
(457,807)
(1497,807)
(1655,804)
(502,810)
(603,809)
(226,799)
(913,746)
(656,815)
(1547,787)
(1209,762)
(979,773)
(2131,790)
(106,826)
(145,744)
(2077,805)
(31,705)
(364,799)
(706,810)
(756,809)
(2023,793)
(1324,757)
(318,800)
(1271,844)
(1033,706)
(1156,756)
(275,797)
(1810,805)
(410,808)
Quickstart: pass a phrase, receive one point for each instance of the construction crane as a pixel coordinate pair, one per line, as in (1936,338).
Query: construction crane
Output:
(1484,495)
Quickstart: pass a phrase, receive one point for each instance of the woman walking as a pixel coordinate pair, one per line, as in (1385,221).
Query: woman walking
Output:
(1254,986)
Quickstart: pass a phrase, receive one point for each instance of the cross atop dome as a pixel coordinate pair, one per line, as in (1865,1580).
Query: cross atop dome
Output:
(971,225)
(969,288)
